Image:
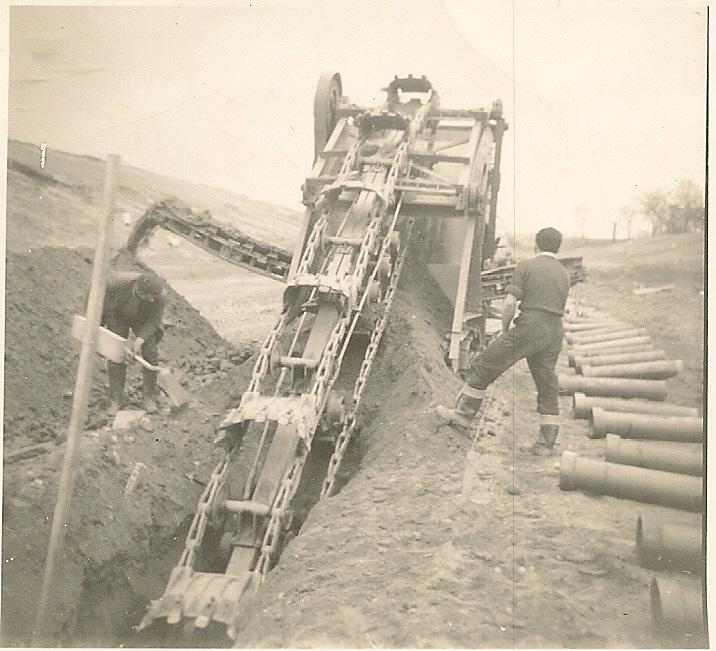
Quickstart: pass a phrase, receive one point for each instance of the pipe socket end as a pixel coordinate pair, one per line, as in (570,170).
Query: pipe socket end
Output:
(567,467)
(598,427)
(579,408)
(611,447)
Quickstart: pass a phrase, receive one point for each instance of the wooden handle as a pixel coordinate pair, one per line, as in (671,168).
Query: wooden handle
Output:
(142,361)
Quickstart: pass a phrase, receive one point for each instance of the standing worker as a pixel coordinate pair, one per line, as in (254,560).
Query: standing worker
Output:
(541,285)
(134,301)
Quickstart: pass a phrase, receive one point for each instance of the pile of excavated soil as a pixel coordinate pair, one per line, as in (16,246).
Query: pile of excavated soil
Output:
(405,556)
(44,289)
(119,549)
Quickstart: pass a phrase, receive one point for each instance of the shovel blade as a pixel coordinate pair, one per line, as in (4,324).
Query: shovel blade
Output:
(176,393)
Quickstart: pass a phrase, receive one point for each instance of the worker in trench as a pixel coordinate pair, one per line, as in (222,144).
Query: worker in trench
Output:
(134,302)
(540,285)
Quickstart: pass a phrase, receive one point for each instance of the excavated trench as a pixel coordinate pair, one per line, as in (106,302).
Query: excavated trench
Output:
(121,549)
(115,594)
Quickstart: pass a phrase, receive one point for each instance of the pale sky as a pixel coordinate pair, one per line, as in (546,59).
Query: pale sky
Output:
(604,100)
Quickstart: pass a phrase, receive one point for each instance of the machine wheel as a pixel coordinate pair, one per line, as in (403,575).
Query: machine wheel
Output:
(325,105)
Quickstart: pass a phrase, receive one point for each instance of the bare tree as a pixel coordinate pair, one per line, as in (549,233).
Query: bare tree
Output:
(678,211)
(655,207)
(686,208)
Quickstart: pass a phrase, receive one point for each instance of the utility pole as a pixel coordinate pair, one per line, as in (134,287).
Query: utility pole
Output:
(581,214)
(43,623)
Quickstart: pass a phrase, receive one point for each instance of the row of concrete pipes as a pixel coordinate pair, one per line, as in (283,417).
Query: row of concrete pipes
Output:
(653,453)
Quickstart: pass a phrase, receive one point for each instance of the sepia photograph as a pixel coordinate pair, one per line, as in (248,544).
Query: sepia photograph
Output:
(375,324)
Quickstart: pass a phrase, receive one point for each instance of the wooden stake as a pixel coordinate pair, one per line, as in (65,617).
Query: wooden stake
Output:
(43,622)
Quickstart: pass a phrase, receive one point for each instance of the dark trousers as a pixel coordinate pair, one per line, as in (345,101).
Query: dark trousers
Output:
(537,336)
(150,347)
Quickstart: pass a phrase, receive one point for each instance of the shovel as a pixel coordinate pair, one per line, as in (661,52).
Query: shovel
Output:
(113,347)
(176,393)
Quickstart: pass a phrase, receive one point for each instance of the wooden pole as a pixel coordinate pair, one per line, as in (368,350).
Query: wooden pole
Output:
(43,622)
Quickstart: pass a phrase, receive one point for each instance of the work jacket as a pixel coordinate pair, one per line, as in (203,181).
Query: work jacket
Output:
(121,304)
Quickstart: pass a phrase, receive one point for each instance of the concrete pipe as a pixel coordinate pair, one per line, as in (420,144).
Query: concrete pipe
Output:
(572,337)
(677,605)
(593,317)
(572,356)
(583,328)
(622,358)
(582,407)
(603,346)
(657,370)
(576,338)
(612,387)
(669,545)
(598,337)
(628,482)
(670,456)
(684,429)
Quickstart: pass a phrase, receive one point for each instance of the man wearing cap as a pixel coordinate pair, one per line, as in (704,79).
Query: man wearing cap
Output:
(134,301)
(541,285)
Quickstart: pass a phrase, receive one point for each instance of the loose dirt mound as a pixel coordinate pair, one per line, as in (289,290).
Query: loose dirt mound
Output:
(43,291)
(117,551)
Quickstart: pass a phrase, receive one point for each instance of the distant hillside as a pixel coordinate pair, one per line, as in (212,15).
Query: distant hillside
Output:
(56,206)
(681,251)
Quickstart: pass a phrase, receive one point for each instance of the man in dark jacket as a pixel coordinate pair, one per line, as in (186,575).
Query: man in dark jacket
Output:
(134,301)
(541,285)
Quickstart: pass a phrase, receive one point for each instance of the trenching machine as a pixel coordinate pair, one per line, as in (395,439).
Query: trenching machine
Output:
(407,168)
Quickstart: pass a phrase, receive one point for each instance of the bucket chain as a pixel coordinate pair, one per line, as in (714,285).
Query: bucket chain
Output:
(359,387)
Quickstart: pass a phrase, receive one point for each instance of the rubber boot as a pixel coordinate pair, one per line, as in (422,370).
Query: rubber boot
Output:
(467,405)
(149,387)
(545,440)
(117,374)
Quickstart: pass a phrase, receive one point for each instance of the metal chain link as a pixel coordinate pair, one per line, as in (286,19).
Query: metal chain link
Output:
(371,351)
(201,517)
(326,373)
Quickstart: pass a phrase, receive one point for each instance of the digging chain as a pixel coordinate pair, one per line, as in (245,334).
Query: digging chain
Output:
(289,484)
(272,537)
(312,245)
(350,422)
(261,367)
(203,512)
(326,374)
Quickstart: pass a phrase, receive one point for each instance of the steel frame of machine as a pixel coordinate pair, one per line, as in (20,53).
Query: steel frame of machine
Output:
(379,174)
